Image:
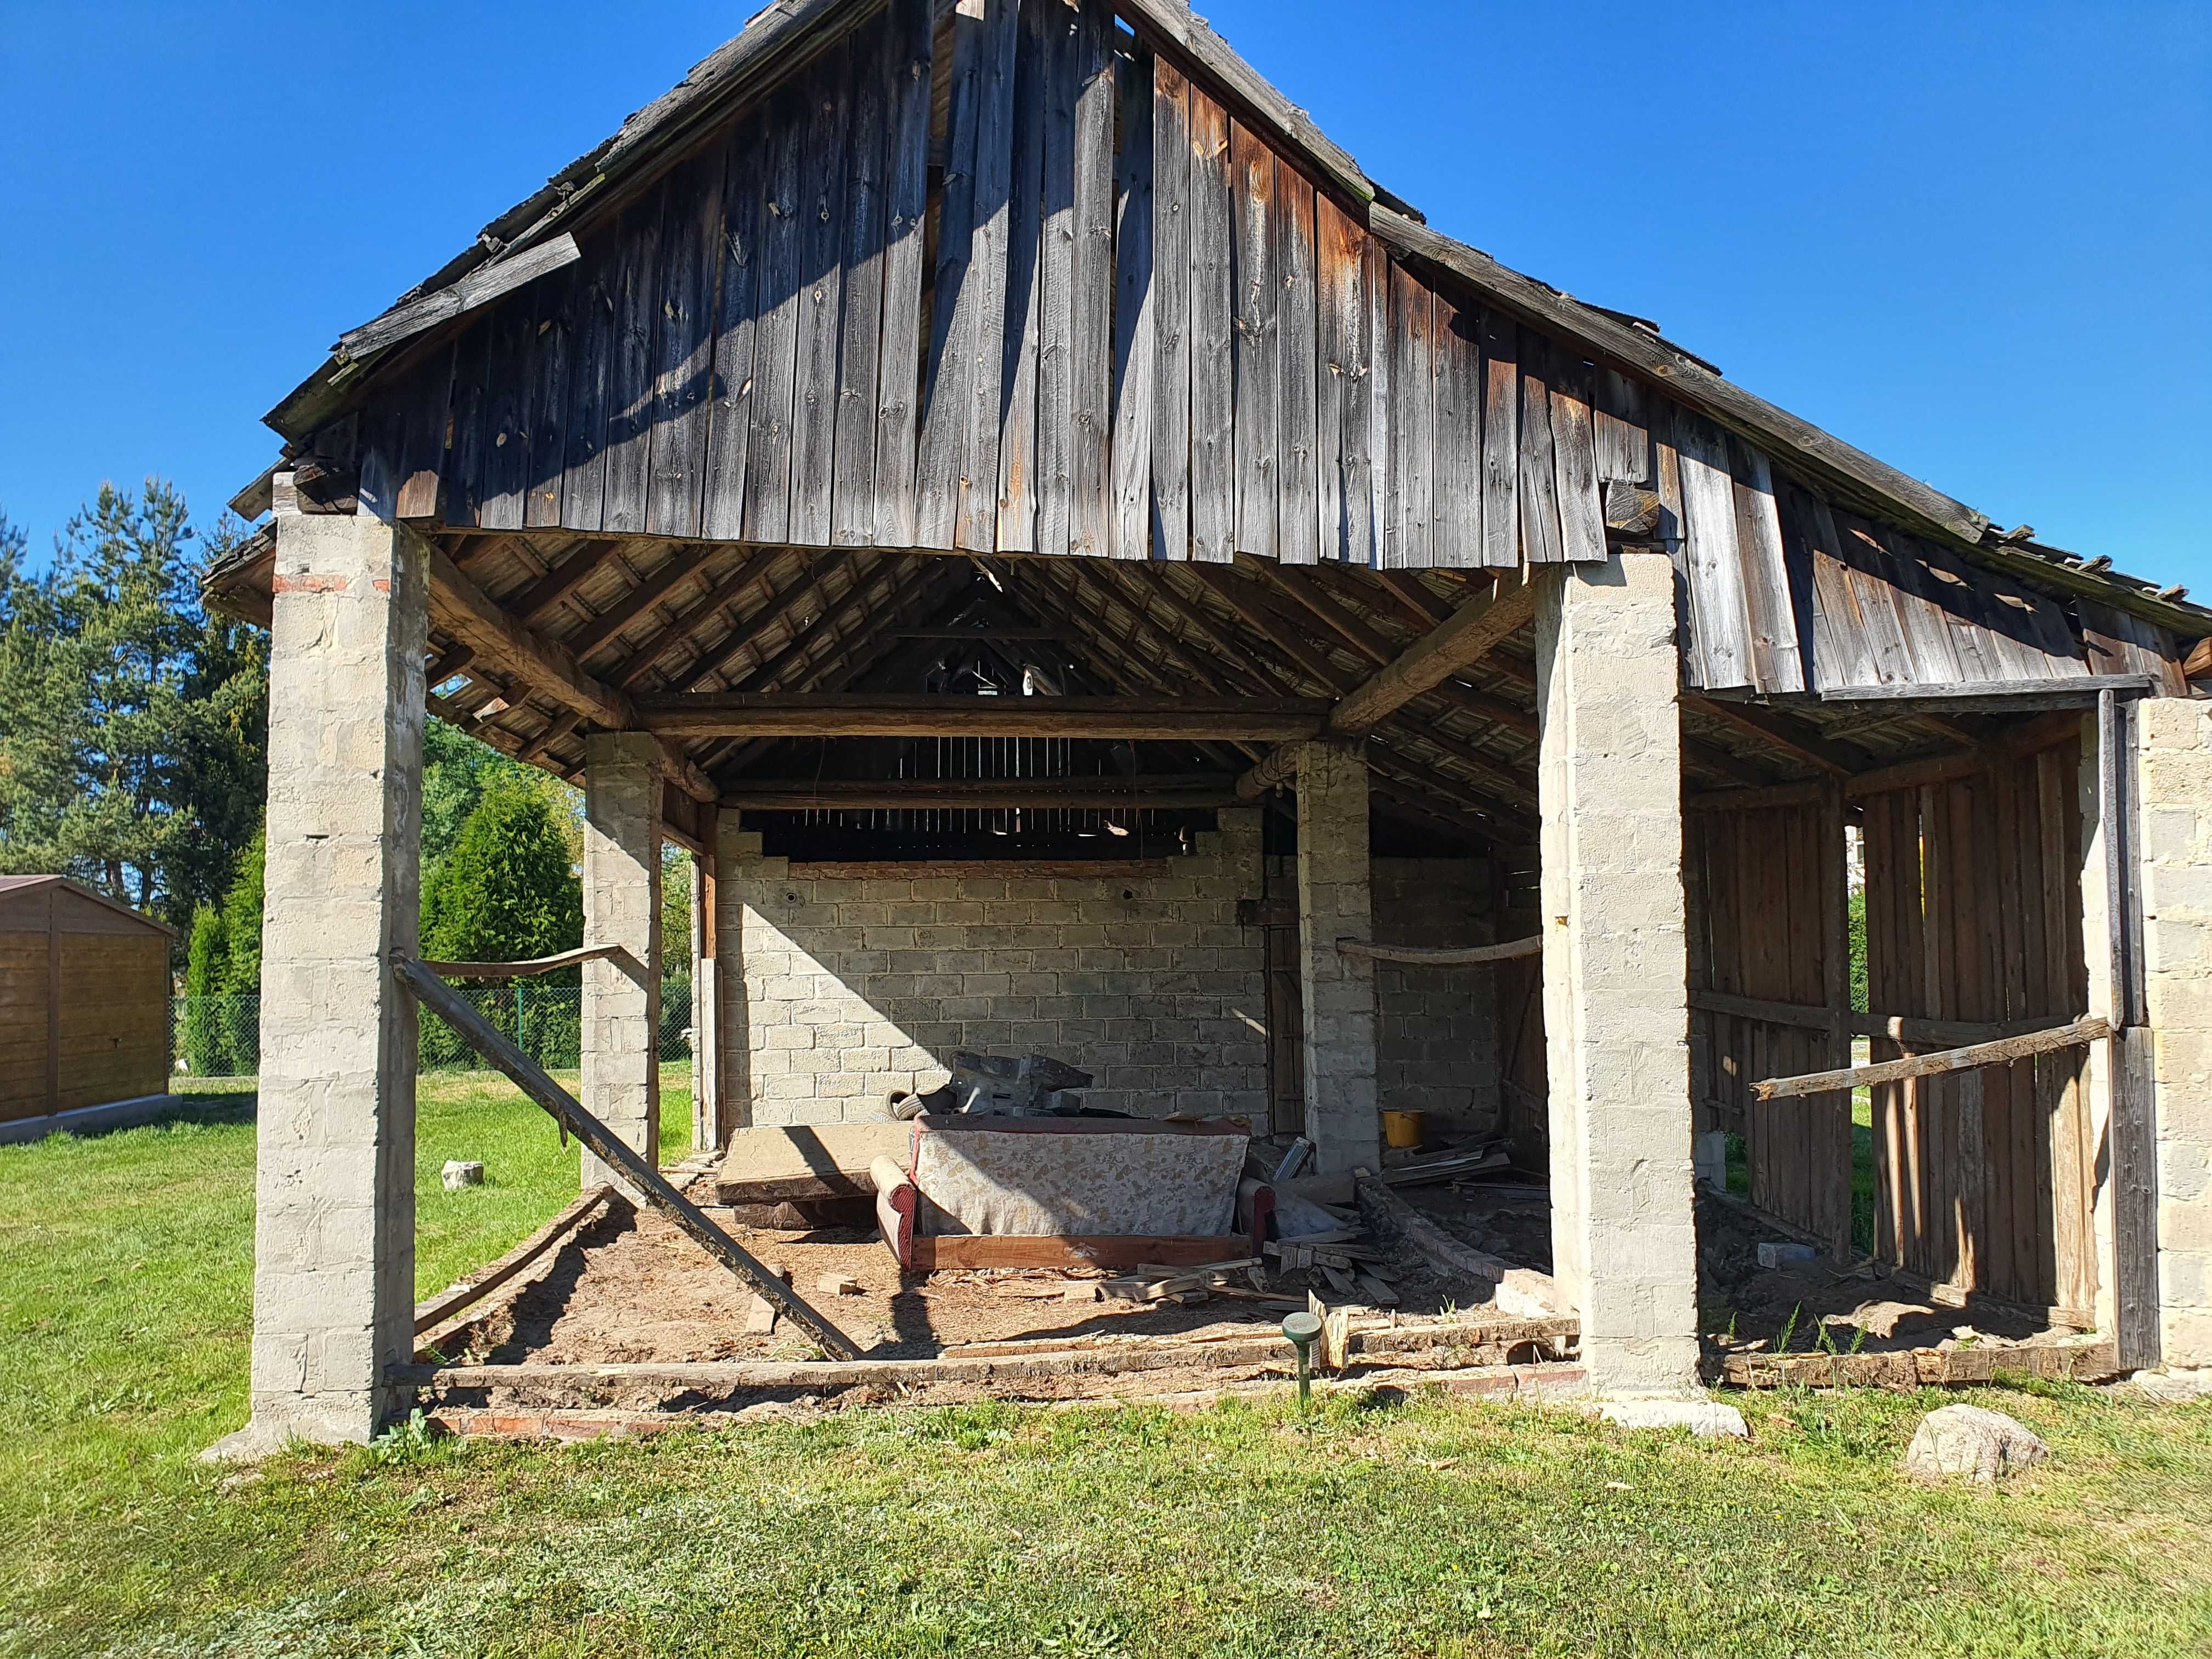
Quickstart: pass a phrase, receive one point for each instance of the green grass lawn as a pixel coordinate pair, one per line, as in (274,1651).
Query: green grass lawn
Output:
(1432,1527)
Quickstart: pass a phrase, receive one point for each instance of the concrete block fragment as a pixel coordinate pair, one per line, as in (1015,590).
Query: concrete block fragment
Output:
(459,1173)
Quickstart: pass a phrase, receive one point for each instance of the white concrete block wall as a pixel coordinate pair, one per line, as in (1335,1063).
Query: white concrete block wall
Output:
(1335,902)
(2175,778)
(841,984)
(1436,1045)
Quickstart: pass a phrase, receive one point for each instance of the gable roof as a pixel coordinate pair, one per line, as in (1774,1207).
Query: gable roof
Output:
(12,886)
(535,236)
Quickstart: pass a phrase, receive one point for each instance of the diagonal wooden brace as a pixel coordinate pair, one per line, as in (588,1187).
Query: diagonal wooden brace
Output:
(441,999)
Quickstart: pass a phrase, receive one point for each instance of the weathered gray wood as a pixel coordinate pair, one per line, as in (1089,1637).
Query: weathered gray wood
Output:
(1501,441)
(729,418)
(1173,215)
(822,296)
(2076,690)
(1135,313)
(1297,534)
(629,400)
(1442,955)
(1341,384)
(557,302)
(861,314)
(1574,455)
(684,346)
(506,384)
(2003,1051)
(2134,1199)
(1716,584)
(1622,429)
(419,491)
(1234,719)
(1776,661)
(1256,341)
(898,417)
(1409,543)
(465,417)
(643,1178)
(1212,333)
(479,286)
(1380,366)
(779,299)
(1542,539)
(1457,469)
(1021,434)
(1090,373)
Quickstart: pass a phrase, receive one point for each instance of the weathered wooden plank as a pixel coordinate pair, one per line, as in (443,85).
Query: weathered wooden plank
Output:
(1501,441)
(1715,581)
(1777,661)
(1542,540)
(1341,384)
(1021,432)
(418,491)
(861,313)
(1173,215)
(1212,334)
(558,299)
(822,296)
(466,416)
(1413,422)
(778,300)
(1298,520)
(1842,654)
(507,386)
(1091,375)
(1457,469)
(629,402)
(590,388)
(1623,430)
(1574,454)
(1381,386)
(1257,343)
(729,418)
(684,346)
(898,415)
(1135,311)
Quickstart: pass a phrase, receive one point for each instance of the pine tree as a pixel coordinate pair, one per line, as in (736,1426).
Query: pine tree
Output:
(206,1033)
(508,890)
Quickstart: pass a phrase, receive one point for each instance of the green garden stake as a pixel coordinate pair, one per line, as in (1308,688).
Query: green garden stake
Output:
(1304,1330)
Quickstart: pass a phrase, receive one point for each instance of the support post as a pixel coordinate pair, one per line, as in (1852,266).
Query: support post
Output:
(1337,990)
(334,1188)
(1616,1018)
(622,906)
(707,1129)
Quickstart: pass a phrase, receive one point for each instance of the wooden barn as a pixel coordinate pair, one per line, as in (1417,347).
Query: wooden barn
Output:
(1090,571)
(84,1000)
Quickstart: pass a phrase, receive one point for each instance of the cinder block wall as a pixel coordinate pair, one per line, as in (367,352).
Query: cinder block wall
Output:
(2175,779)
(842,983)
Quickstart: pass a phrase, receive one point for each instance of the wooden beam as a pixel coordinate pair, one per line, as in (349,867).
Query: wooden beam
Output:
(2074,1034)
(1996,697)
(530,969)
(478,621)
(562,579)
(1452,646)
(1442,955)
(1171,792)
(2032,737)
(478,287)
(1809,747)
(837,715)
(680,568)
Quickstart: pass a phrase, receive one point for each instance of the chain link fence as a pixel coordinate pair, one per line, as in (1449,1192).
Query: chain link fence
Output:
(221,1036)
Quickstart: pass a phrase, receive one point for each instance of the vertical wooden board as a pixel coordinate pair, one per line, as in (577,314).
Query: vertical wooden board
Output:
(683,353)
(778,299)
(1090,347)
(1542,541)
(898,413)
(1213,490)
(507,458)
(630,403)
(464,459)
(876,63)
(1173,215)
(983,296)
(561,295)
(1135,316)
(1776,662)
(1022,433)
(1298,515)
(729,416)
(1412,423)
(821,293)
(382,421)
(1457,469)
(590,386)
(1381,464)
(419,479)
(1257,343)
(1708,530)
(1842,653)
(1871,599)
(1931,647)
(1340,381)
(1574,454)
(1056,343)
(1622,429)
(1501,442)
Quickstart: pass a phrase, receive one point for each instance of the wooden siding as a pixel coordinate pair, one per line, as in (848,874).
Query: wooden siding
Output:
(84,1003)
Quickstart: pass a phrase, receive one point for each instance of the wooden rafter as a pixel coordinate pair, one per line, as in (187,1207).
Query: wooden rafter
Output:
(833,715)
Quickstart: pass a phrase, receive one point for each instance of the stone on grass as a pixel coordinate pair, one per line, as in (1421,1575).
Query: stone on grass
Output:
(1708,1420)
(1980,1444)
(461,1172)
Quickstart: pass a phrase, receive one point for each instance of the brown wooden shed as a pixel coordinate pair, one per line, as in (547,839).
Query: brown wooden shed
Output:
(84,1000)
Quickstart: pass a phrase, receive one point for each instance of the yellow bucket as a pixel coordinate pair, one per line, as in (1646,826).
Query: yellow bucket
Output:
(1401,1129)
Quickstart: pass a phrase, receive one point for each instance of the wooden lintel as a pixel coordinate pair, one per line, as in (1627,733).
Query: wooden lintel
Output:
(2075,690)
(1170,793)
(839,714)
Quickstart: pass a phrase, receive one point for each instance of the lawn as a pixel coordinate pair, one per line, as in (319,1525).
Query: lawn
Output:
(1428,1527)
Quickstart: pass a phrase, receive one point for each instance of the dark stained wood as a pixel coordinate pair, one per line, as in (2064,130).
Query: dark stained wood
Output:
(776,327)
(506,453)
(1263,720)
(906,202)
(823,160)
(1213,332)
(559,300)
(1136,312)
(590,383)
(464,459)
(876,63)
(630,387)
(729,418)
(1256,341)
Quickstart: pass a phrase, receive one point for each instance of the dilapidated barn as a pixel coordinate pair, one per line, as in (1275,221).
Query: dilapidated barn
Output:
(1087,570)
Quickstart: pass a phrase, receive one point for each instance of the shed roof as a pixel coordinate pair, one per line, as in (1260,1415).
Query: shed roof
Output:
(10,885)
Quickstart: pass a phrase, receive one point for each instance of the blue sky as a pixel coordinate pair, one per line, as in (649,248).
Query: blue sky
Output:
(1975,239)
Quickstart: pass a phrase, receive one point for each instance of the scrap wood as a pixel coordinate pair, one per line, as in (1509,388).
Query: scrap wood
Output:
(466,1292)
(1517,1291)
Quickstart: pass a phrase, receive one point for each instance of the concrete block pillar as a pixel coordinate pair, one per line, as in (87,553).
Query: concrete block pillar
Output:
(1335,902)
(622,906)
(334,1187)
(1616,1013)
